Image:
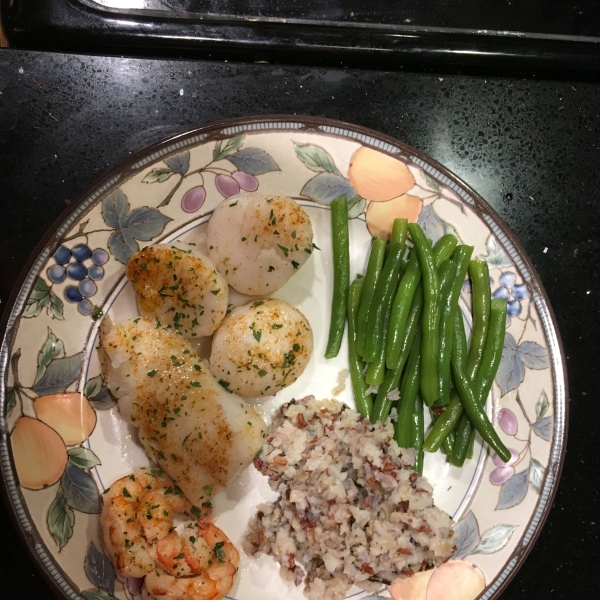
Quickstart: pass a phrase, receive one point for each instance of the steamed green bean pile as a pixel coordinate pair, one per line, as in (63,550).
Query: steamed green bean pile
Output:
(407,342)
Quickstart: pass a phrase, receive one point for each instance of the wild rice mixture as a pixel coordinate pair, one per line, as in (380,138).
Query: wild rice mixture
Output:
(351,511)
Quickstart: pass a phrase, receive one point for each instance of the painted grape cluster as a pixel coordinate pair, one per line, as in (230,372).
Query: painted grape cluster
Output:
(83,266)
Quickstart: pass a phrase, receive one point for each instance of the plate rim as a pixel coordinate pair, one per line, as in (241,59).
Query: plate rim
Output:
(213,131)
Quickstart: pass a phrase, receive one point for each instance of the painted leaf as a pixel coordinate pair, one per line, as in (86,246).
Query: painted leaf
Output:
(122,245)
(511,370)
(115,208)
(533,355)
(11,400)
(55,310)
(513,491)
(494,539)
(41,297)
(145,223)
(536,475)
(432,225)
(543,428)
(53,348)
(225,148)
(253,161)
(93,387)
(356,206)
(158,175)
(103,400)
(431,182)
(468,536)
(80,490)
(180,163)
(61,373)
(541,405)
(99,396)
(61,519)
(99,570)
(315,158)
(326,187)
(92,594)
(496,255)
(83,458)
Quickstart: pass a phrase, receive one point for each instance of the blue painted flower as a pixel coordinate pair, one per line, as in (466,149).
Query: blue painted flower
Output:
(512,292)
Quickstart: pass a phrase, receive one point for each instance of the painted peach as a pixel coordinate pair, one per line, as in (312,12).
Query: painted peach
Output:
(411,588)
(456,580)
(381,215)
(377,176)
(39,452)
(69,414)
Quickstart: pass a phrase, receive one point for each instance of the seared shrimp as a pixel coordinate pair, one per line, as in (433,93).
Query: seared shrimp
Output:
(207,567)
(140,539)
(258,242)
(180,287)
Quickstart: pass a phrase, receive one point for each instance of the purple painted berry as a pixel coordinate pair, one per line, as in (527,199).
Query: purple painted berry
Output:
(95,272)
(63,255)
(87,288)
(514,456)
(227,185)
(99,256)
(72,294)
(501,475)
(85,307)
(76,271)
(81,252)
(508,280)
(247,182)
(193,199)
(508,421)
(520,291)
(57,274)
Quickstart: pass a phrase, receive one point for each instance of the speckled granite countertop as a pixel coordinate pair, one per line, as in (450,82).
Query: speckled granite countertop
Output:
(531,148)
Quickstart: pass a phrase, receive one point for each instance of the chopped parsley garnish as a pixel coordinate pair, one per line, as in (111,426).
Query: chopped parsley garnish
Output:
(151,373)
(257,335)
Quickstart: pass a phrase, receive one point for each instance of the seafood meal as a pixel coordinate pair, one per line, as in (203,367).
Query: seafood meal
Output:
(351,510)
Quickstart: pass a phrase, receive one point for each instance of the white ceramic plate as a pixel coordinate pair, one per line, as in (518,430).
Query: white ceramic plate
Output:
(167,193)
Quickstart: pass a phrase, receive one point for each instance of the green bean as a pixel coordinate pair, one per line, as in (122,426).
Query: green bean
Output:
(384,290)
(408,393)
(391,380)
(341,274)
(448,419)
(461,256)
(376,369)
(363,401)
(399,232)
(400,309)
(444,425)
(404,296)
(431,292)
(444,248)
(418,424)
(372,275)
(477,414)
(480,296)
(485,377)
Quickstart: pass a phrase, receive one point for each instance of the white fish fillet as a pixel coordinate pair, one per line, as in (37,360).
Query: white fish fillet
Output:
(199,433)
